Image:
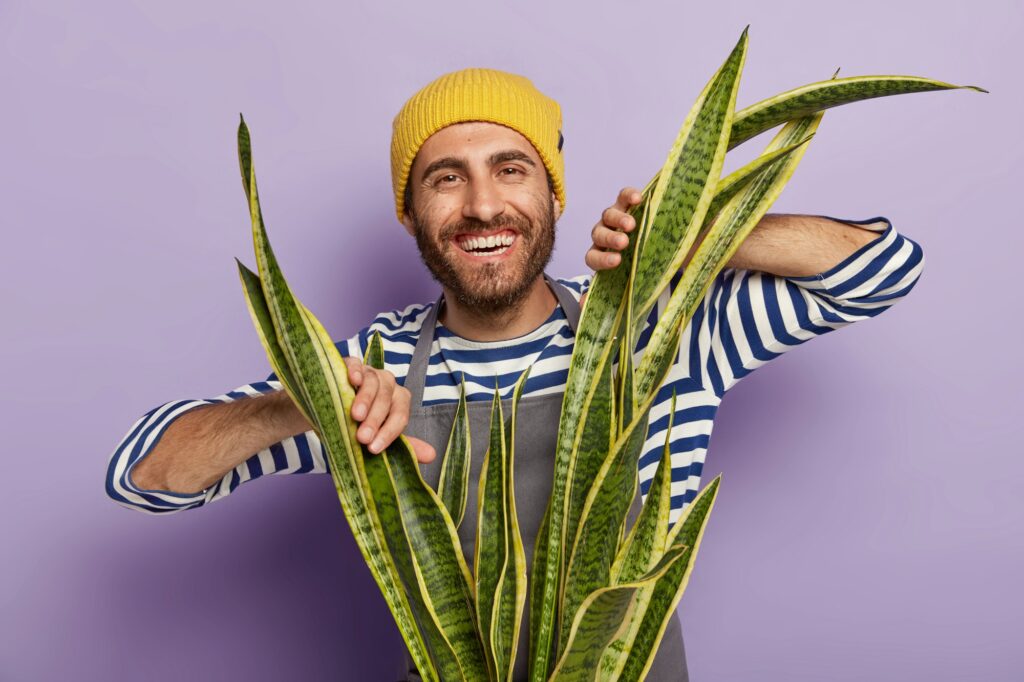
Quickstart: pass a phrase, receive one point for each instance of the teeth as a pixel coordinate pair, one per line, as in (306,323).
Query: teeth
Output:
(475,243)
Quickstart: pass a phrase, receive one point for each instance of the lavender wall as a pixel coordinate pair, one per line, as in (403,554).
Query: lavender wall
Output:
(869,525)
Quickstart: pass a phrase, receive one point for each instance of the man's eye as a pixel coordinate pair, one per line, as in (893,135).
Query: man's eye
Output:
(446,178)
(514,171)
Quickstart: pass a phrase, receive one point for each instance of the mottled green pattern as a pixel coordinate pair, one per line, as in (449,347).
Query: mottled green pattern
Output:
(601,317)
(604,512)
(595,441)
(647,538)
(536,595)
(686,183)
(736,181)
(822,95)
(512,589)
(261,318)
(453,485)
(739,216)
(441,570)
(601,617)
(414,525)
(500,561)
(323,391)
(489,558)
(445,661)
(660,600)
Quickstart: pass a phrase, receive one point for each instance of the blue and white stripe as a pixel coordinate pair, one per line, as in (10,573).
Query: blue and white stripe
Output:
(746,319)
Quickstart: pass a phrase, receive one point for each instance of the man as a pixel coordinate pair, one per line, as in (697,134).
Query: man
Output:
(477,173)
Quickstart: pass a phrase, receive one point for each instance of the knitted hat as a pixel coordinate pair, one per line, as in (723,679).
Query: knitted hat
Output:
(477,95)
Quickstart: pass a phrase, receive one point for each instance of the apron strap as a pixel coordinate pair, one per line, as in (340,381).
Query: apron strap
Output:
(416,378)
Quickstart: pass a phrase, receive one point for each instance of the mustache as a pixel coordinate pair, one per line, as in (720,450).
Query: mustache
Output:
(473,226)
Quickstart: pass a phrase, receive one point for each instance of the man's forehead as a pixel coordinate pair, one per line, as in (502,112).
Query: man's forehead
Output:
(470,138)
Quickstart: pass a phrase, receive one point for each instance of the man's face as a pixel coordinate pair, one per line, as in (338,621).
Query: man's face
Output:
(482,213)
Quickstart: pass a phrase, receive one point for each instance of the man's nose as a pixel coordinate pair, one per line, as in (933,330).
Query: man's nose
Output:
(484,201)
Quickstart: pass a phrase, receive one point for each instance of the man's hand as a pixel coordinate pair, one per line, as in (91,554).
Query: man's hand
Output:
(383,408)
(609,235)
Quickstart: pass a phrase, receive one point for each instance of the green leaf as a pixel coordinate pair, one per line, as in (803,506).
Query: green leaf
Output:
(815,97)
(595,441)
(648,538)
(686,183)
(500,561)
(260,313)
(453,485)
(601,317)
(737,219)
(509,614)
(657,603)
(603,516)
(601,617)
(434,555)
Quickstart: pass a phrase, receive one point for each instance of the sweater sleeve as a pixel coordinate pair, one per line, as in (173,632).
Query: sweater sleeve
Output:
(752,317)
(298,454)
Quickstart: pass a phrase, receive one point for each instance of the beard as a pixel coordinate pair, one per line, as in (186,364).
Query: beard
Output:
(490,288)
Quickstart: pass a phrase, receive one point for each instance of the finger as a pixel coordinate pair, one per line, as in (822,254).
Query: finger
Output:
(601,260)
(365,395)
(397,420)
(629,196)
(355,370)
(617,220)
(379,409)
(609,239)
(424,451)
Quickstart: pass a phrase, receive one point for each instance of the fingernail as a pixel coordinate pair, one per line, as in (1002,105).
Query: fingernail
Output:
(376,446)
(359,411)
(357,377)
(612,259)
(365,433)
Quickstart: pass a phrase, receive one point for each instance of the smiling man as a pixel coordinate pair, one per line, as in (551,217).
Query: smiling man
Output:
(477,173)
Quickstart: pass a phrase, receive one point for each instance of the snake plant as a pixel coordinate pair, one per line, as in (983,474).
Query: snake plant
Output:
(600,595)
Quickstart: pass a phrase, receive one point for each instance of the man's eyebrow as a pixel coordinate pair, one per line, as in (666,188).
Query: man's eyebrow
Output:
(510,155)
(446,162)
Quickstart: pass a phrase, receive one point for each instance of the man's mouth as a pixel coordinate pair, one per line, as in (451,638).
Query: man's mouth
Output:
(493,244)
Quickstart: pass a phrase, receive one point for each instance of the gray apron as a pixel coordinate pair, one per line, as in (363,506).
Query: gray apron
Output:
(533,465)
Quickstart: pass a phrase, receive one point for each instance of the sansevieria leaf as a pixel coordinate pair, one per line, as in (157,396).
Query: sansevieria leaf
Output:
(313,389)
(738,217)
(594,343)
(500,561)
(686,184)
(453,485)
(602,519)
(657,602)
(601,617)
(422,538)
(430,568)
(648,538)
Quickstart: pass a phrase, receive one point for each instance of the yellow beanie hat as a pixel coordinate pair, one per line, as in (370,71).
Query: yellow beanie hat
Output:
(477,95)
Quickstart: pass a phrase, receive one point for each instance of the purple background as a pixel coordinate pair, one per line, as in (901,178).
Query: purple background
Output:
(869,525)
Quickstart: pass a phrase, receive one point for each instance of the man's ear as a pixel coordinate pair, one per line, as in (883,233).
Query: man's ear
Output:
(407,222)
(558,206)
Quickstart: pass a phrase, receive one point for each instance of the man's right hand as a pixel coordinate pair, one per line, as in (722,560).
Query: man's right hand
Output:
(382,407)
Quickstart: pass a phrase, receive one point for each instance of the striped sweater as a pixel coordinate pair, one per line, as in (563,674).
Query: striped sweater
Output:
(746,319)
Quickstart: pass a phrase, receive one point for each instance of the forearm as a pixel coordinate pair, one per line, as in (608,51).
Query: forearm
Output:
(788,245)
(202,445)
